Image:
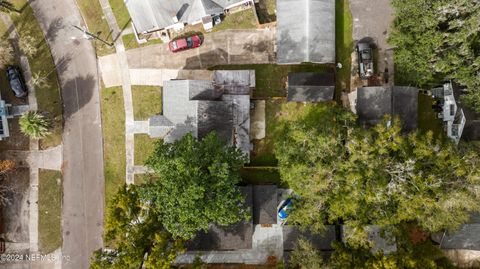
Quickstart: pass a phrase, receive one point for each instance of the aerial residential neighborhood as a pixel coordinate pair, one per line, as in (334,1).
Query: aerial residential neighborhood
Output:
(242,134)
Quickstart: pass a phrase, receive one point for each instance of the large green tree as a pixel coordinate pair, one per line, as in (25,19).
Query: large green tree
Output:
(196,186)
(139,240)
(376,176)
(438,39)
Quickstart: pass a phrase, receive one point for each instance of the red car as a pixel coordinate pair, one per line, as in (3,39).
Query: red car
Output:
(185,43)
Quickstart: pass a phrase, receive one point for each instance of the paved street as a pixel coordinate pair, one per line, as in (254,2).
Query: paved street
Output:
(82,139)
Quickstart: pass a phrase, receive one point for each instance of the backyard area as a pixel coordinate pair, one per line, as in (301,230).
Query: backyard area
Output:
(271,79)
(343,45)
(49,210)
(113,124)
(48,97)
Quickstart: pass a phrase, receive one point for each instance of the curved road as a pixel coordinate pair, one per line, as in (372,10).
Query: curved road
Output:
(83,182)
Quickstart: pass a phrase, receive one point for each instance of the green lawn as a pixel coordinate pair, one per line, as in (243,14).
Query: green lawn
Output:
(147,101)
(131,43)
(49,210)
(121,13)
(343,45)
(144,146)
(271,79)
(93,14)
(244,19)
(266,11)
(260,175)
(262,154)
(48,98)
(113,125)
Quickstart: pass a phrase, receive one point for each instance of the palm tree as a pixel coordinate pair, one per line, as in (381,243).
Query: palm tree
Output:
(34,125)
(6,6)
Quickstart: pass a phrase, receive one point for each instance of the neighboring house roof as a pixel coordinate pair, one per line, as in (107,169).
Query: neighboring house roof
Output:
(236,236)
(373,103)
(466,237)
(310,87)
(265,204)
(305,31)
(151,15)
(200,107)
(321,241)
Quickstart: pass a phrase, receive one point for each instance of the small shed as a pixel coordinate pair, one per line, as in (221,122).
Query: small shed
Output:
(310,87)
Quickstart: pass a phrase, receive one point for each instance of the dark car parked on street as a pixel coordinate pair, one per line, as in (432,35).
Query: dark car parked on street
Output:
(17,84)
(365,60)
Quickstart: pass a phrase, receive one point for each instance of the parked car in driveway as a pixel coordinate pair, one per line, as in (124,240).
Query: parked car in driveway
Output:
(365,60)
(15,79)
(185,43)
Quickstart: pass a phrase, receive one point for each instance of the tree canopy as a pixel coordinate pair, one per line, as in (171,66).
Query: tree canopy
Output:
(196,186)
(381,176)
(438,39)
(137,236)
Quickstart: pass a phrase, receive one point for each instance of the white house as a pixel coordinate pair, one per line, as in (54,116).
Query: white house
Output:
(452,116)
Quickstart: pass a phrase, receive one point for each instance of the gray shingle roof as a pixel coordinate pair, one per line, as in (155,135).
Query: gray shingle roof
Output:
(322,241)
(151,15)
(305,31)
(310,87)
(197,107)
(373,103)
(264,204)
(236,236)
(215,116)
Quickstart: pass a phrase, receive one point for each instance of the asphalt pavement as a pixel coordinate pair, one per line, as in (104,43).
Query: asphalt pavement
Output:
(83,182)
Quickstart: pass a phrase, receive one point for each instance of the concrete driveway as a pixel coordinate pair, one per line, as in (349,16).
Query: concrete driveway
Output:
(226,47)
(372,20)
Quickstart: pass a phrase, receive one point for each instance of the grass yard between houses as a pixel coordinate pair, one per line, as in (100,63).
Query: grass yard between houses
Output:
(49,97)
(244,19)
(343,46)
(92,12)
(147,101)
(260,175)
(144,146)
(266,10)
(130,42)
(121,13)
(271,79)
(113,128)
(49,210)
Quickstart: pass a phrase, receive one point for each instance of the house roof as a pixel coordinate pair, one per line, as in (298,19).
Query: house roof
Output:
(198,107)
(305,31)
(236,236)
(264,204)
(321,241)
(151,15)
(310,87)
(466,237)
(234,81)
(373,103)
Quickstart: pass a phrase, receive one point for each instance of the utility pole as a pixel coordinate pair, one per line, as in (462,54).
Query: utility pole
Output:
(89,35)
